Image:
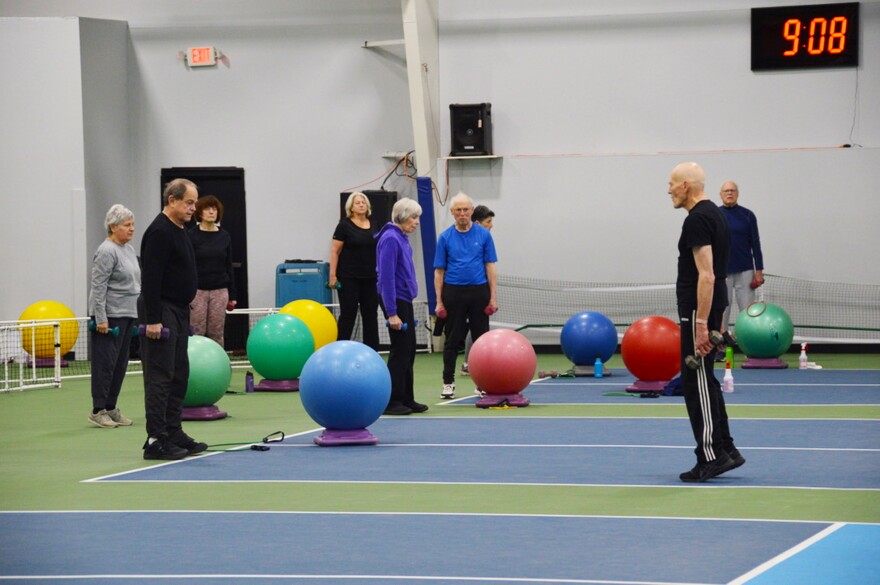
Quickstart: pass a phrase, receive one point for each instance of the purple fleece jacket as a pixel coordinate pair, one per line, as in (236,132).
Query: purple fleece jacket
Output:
(394,264)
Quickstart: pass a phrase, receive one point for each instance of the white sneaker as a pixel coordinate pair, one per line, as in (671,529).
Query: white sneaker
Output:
(448,391)
(479,392)
(102,420)
(119,418)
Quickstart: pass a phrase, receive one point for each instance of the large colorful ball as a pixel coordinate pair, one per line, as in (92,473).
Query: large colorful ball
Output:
(764,330)
(317,317)
(40,341)
(651,349)
(209,372)
(345,385)
(586,336)
(502,361)
(279,345)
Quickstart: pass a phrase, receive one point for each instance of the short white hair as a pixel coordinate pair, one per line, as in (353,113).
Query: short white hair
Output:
(461,197)
(117,215)
(404,209)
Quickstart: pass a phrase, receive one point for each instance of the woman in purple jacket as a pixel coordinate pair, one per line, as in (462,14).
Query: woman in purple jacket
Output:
(397,288)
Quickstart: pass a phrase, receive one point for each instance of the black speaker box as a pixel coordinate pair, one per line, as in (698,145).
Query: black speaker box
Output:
(471,126)
(381,203)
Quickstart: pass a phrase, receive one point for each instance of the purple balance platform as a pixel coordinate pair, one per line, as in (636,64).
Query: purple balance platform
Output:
(202,413)
(490,400)
(644,386)
(335,437)
(277,386)
(764,364)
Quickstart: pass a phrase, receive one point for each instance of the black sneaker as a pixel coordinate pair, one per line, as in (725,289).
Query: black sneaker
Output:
(417,406)
(397,408)
(186,442)
(705,471)
(163,450)
(736,456)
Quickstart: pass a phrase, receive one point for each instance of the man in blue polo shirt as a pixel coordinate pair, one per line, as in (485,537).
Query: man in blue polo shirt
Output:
(465,283)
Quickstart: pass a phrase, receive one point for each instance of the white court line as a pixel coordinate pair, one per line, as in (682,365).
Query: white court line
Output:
(381,578)
(584,446)
(764,567)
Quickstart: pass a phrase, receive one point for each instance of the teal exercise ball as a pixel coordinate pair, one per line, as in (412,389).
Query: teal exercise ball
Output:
(209,372)
(279,345)
(764,330)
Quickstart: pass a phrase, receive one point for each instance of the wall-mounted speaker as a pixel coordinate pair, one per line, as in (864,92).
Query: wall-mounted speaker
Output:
(381,203)
(471,126)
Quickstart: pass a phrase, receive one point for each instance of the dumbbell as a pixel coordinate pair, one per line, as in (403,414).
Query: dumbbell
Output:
(490,310)
(337,286)
(114,331)
(695,362)
(142,331)
(548,374)
(405,325)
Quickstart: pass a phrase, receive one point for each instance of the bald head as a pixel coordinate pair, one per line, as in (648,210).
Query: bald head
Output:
(686,184)
(692,173)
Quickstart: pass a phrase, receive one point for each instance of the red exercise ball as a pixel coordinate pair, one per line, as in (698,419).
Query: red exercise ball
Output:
(651,349)
(502,361)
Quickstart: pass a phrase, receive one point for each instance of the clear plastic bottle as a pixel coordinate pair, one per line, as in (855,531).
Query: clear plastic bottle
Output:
(727,384)
(802,359)
(598,368)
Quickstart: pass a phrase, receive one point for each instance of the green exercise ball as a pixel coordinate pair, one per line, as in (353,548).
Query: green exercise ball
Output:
(279,345)
(209,372)
(764,330)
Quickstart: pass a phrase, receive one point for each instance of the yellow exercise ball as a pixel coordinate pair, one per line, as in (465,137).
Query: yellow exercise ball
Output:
(40,341)
(317,318)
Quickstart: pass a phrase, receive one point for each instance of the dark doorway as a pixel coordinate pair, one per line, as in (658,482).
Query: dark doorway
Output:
(227,185)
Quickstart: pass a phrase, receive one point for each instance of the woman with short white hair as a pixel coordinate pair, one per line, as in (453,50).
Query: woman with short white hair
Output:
(397,288)
(115,286)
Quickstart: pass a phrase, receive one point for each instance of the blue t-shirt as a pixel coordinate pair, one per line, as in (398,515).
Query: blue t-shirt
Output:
(464,255)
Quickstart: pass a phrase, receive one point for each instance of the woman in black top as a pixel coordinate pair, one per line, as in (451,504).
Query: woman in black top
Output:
(353,265)
(213,249)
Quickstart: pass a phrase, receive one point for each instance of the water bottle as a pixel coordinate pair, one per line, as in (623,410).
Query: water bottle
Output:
(727,385)
(802,359)
(597,368)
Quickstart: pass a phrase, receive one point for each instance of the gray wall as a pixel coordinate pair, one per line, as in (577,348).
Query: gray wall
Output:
(628,88)
(594,103)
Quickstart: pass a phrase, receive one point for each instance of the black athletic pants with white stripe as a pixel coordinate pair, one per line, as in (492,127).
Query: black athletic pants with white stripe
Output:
(702,392)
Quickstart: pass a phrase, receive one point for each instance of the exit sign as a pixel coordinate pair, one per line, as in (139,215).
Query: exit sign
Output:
(201,56)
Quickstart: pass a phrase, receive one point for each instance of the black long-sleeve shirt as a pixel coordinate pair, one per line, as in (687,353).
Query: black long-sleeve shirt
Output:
(168,271)
(213,259)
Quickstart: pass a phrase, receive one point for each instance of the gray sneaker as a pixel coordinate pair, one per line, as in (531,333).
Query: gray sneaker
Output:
(119,418)
(448,391)
(102,420)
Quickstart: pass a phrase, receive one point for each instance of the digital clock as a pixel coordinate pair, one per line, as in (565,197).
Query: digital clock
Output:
(805,37)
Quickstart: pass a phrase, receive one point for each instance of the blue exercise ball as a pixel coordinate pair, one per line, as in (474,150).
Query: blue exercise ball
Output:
(586,336)
(345,385)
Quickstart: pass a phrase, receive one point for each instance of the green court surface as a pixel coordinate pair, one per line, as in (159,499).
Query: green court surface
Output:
(48,450)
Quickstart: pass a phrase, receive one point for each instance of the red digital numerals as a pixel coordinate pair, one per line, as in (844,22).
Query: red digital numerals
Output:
(824,36)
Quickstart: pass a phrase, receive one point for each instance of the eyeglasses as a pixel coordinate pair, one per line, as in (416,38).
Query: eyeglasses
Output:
(462,209)
(729,191)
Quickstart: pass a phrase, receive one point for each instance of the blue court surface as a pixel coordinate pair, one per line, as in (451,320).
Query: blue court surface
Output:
(760,387)
(271,547)
(836,454)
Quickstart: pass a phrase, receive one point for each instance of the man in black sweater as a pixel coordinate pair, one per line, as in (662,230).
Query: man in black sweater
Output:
(168,285)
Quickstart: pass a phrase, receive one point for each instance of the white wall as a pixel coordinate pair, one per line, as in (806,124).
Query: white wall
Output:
(630,87)
(41,163)
(631,91)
